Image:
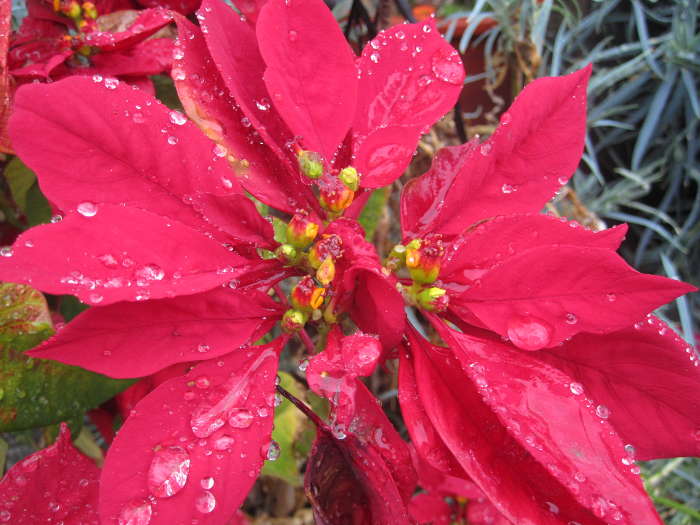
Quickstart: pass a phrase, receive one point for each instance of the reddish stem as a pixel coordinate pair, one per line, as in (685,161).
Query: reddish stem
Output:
(308,343)
(304,409)
(280,294)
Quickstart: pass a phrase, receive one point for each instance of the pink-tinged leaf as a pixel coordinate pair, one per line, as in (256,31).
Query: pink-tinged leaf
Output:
(150,57)
(111,339)
(209,104)
(542,296)
(558,429)
(125,148)
(193,447)
(646,380)
(310,72)
(148,22)
(56,484)
(410,77)
(533,152)
(234,48)
(111,253)
(430,509)
(492,241)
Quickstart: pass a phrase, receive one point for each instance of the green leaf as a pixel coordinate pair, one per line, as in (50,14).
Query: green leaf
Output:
(20,179)
(280,229)
(373,211)
(35,392)
(288,425)
(38,209)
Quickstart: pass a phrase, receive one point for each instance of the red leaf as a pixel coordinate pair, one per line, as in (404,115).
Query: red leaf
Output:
(150,57)
(194,446)
(185,7)
(532,153)
(555,428)
(56,484)
(210,105)
(646,378)
(148,22)
(111,339)
(310,71)
(430,509)
(542,296)
(113,253)
(492,241)
(103,145)
(410,77)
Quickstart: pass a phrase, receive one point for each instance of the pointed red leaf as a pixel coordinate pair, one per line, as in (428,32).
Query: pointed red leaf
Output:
(430,509)
(542,296)
(185,7)
(148,22)
(557,427)
(492,241)
(150,57)
(104,142)
(533,152)
(310,71)
(646,379)
(410,77)
(56,484)
(193,447)
(112,253)
(111,339)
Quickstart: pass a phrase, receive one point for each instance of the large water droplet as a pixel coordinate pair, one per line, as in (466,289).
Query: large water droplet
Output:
(576,389)
(168,472)
(447,66)
(571,318)
(602,411)
(205,502)
(111,83)
(177,118)
(240,418)
(137,512)
(224,442)
(207,483)
(5,516)
(149,272)
(6,251)
(205,421)
(172,140)
(529,333)
(272,451)
(87,209)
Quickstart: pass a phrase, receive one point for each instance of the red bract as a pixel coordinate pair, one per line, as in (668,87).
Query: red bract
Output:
(56,484)
(295,82)
(546,425)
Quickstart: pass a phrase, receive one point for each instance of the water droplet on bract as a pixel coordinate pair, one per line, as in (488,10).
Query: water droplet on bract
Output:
(374,57)
(168,472)
(240,418)
(571,318)
(95,298)
(293,36)
(263,412)
(277,400)
(202,348)
(178,74)
(602,411)
(137,512)
(303,365)
(172,140)
(202,382)
(56,218)
(262,104)
(506,119)
(400,35)
(205,502)
(529,333)
(635,470)
(630,450)
(507,188)
(447,66)
(138,118)
(551,507)
(178,53)
(5,516)
(205,422)
(576,389)
(97,78)
(207,483)
(6,251)
(426,28)
(111,83)
(423,81)
(87,209)
(338,431)
(148,272)
(177,118)
(611,297)
(245,121)
(485,149)
(272,451)
(579,476)
(224,442)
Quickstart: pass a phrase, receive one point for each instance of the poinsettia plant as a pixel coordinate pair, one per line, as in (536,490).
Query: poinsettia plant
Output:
(531,373)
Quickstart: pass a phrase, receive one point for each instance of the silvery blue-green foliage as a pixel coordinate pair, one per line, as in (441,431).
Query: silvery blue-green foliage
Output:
(642,158)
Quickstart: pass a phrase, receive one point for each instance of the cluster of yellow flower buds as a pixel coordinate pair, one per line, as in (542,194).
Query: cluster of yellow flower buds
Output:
(336,192)
(84,15)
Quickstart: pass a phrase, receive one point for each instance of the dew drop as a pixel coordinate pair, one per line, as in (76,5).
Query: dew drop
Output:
(202,348)
(178,53)
(204,422)
(240,418)
(374,57)
(400,35)
(571,318)
(447,66)
(338,431)
(138,118)
(111,83)
(576,389)
(635,470)
(506,119)
(202,382)
(5,516)
(303,365)
(529,333)
(293,36)
(426,28)
(207,483)
(137,512)
(97,78)
(602,411)
(172,140)
(611,297)
(56,218)
(149,272)
(168,472)
(507,188)
(263,104)
(178,74)
(177,118)
(6,251)
(205,502)
(630,450)
(485,149)
(224,442)
(271,451)
(87,209)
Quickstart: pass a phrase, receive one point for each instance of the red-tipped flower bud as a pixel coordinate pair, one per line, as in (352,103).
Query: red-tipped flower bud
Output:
(433,299)
(326,272)
(306,296)
(334,196)
(423,258)
(326,246)
(301,231)
(72,10)
(293,321)
(310,163)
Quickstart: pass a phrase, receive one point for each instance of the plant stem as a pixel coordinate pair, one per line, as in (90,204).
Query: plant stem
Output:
(303,408)
(308,343)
